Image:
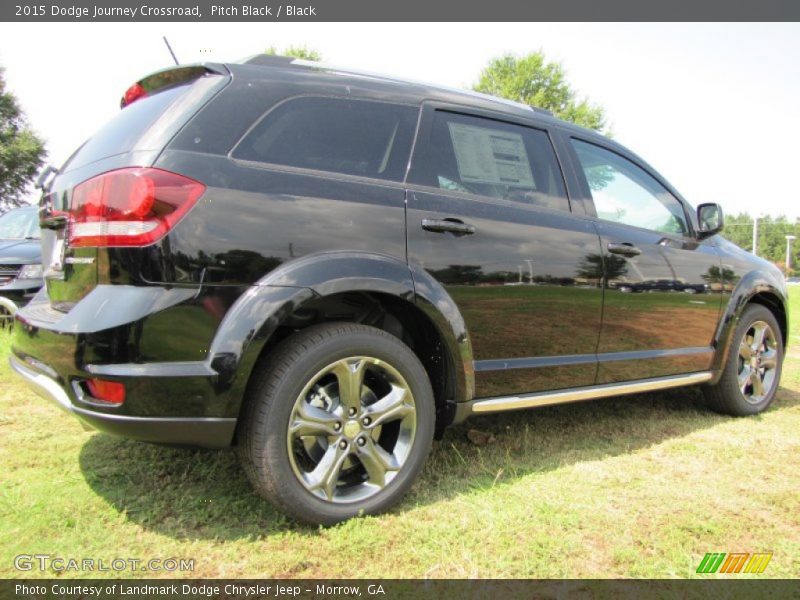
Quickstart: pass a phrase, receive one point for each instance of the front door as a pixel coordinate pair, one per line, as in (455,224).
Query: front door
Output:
(661,309)
(488,217)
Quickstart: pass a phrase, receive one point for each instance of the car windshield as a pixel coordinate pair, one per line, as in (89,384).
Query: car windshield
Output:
(22,223)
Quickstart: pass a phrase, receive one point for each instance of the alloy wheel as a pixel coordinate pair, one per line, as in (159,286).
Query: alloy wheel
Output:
(758,362)
(351,429)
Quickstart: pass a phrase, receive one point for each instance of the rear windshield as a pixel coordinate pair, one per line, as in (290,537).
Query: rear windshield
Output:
(157,116)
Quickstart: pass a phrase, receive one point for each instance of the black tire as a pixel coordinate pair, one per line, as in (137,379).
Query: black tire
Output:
(282,386)
(727,396)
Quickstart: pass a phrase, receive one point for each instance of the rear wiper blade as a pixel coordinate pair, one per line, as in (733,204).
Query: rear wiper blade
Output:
(54,221)
(44,175)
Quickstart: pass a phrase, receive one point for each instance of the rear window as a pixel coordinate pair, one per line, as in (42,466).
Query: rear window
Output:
(145,124)
(340,135)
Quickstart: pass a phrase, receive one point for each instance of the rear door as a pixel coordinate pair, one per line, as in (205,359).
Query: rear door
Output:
(489,218)
(660,312)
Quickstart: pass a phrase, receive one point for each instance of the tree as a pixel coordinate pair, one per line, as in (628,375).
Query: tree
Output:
(739,230)
(22,152)
(597,267)
(296,52)
(533,80)
(717,275)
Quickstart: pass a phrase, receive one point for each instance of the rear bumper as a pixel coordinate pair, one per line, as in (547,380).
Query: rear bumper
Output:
(148,338)
(207,432)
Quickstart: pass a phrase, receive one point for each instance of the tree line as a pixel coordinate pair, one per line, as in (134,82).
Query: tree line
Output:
(771,238)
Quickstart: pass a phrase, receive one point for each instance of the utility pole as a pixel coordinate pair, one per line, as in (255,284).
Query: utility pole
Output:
(789,239)
(530,270)
(755,235)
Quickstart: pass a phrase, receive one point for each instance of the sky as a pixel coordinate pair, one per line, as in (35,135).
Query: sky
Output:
(715,108)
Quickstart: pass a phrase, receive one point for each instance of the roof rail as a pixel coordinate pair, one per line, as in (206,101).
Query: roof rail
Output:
(269,60)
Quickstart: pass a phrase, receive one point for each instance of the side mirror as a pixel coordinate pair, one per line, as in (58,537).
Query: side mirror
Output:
(710,218)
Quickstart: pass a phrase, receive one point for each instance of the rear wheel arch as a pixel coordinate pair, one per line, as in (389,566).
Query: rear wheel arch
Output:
(376,289)
(400,317)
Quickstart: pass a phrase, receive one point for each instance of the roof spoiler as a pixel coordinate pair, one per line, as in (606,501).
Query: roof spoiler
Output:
(169,78)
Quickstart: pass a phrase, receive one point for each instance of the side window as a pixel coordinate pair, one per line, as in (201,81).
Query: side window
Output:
(624,193)
(490,158)
(355,137)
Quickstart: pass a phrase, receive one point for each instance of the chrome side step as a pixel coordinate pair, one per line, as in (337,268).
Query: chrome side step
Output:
(503,403)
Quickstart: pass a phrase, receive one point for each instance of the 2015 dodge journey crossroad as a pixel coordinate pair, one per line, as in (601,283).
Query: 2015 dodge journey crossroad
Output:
(326,268)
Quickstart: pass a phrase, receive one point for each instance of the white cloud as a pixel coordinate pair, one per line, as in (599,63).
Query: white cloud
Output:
(713,107)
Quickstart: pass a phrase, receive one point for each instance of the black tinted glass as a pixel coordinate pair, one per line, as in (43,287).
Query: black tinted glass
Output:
(122,132)
(356,137)
(490,158)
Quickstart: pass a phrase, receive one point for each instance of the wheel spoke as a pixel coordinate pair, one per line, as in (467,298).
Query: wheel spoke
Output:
(377,462)
(391,407)
(744,378)
(758,383)
(769,359)
(313,421)
(759,332)
(350,375)
(326,474)
(745,351)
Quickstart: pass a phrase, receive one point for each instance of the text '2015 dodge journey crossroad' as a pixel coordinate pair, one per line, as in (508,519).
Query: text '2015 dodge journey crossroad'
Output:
(327,268)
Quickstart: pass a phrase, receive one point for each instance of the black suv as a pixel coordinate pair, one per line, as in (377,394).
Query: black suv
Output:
(327,268)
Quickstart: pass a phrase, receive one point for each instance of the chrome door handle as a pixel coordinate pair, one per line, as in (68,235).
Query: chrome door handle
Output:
(625,249)
(447,225)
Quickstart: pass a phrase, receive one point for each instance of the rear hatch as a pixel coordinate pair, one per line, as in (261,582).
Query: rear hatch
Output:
(86,209)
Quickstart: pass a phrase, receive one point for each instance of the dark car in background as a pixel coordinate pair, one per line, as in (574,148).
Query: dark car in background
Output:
(662,285)
(20,260)
(325,269)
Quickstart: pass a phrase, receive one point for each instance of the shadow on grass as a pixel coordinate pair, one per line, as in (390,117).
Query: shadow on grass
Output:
(198,494)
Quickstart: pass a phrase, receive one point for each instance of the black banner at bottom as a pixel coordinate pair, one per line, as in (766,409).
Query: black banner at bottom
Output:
(461,589)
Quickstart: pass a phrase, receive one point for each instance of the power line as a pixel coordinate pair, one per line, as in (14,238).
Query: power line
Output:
(762,224)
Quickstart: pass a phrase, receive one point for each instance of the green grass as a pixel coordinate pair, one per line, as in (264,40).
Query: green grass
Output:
(641,486)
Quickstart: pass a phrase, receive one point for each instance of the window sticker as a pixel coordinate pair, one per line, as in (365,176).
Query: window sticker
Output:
(491,156)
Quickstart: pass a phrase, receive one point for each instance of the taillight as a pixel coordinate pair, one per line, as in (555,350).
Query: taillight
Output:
(132,94)
(129,207)
(108,391)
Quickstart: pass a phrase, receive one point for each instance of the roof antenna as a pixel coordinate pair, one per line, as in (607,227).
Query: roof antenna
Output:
(170,49)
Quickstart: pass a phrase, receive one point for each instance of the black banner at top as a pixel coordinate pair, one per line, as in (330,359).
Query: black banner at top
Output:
(398,10)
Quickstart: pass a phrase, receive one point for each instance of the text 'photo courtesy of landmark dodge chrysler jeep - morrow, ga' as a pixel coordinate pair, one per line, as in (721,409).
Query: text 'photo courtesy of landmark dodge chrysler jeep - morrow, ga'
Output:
(326,268)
